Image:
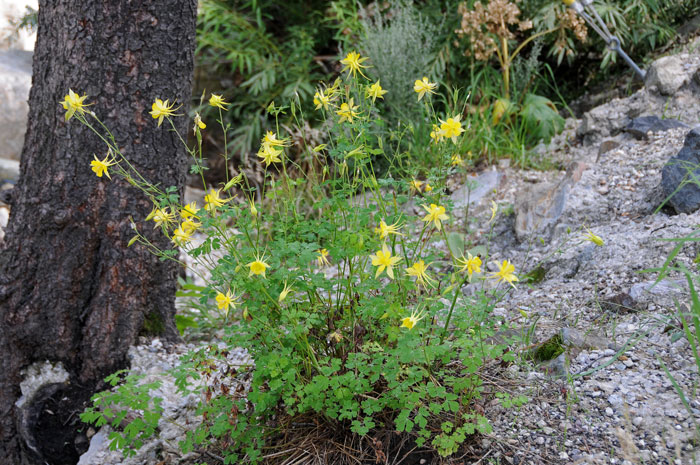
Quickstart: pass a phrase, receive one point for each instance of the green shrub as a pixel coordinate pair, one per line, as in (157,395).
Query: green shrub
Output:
(402,45)
(351,309)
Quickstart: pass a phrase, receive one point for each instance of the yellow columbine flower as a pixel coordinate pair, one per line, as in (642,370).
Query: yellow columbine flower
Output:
(218,101)
(189,211)
(470,264)
(384,230)
(321,100)
(420,271)
(506,272)
(383,260)
(198,123)
(335,336)
(436,214)
(375,91)
(452,128)
(421,87)
(590,236)
(214,200)
(353,63)
(100,166)
(333,90)
(416,185)
(347,111)
(322,258)
(428,188)
(161,109)
(181,236)
(436,134)
(227,301)
(258,267)
(269,154)
(285,291)
(73,103)
(190,226)
(410,321)
(456,160)
(161,216)
(272,140)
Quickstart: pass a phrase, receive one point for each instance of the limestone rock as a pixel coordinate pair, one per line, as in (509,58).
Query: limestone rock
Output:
(474,190)
(664,288)
(668,74)
(15,82)
(676,172)
(609,119)
(587,340)
(538,210)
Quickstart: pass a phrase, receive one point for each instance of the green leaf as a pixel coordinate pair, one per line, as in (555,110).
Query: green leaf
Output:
(455,241)
(184,322)
(540,117)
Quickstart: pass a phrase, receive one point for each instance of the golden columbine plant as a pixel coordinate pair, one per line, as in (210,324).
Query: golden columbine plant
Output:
(351,309)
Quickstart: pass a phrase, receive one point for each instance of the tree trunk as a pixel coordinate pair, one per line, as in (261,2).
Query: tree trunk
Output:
(70,289)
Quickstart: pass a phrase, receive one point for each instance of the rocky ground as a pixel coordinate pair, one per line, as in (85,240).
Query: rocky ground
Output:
(607,398)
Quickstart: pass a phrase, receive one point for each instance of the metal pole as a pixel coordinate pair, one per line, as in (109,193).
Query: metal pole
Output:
(596,22)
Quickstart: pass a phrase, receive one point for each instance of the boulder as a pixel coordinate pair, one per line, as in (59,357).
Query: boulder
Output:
(668,74)
(678,173)
(640,127)
(609,119)
(474,190)
(15,82)
(538,210)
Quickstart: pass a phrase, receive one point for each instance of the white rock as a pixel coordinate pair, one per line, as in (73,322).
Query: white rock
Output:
(40,374)
(98,443)
(667,74)
(474,190)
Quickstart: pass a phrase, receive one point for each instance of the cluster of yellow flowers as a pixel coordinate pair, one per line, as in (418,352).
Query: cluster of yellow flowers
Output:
(269,148)
(164,217)
(417,185)
(272,150)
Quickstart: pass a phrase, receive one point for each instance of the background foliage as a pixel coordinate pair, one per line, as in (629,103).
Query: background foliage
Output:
(262,51)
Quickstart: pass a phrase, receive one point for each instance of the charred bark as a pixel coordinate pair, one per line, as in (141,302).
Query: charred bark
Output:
(70,289)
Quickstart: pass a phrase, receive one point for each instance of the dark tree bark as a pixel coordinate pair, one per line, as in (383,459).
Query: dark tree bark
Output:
(70,289)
